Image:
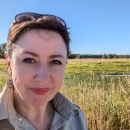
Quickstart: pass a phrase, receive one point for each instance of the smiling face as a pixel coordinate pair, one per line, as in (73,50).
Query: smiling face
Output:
(37,66)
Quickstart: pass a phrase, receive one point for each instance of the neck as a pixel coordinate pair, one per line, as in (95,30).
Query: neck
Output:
(43,114)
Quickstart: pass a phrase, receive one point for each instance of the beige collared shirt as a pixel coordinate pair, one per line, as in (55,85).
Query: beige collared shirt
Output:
(67,116)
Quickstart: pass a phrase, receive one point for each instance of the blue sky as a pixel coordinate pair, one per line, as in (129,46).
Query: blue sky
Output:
(96,26)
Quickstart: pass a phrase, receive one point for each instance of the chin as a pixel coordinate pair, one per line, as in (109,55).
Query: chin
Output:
(39,102)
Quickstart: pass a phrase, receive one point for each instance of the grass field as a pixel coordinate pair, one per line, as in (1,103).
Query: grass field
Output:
(104,99)
(99,66)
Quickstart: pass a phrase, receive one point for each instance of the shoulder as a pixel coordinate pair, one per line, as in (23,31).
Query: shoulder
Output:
(79,114)
(70,111)
(79,118)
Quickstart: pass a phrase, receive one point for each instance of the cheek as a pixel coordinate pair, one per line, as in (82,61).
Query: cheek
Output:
(21,70)
(58,76)
(20,74)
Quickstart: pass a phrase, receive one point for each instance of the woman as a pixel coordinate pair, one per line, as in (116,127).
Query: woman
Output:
(36,55)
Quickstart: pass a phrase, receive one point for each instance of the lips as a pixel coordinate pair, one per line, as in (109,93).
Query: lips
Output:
(40,91)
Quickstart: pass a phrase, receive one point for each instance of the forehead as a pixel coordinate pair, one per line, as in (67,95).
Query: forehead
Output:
(39,34)
(40,39)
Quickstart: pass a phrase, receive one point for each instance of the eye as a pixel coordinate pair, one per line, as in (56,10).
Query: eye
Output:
(29,60)
(56,62)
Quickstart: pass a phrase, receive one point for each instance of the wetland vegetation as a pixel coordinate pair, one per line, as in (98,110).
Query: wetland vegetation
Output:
(105,100)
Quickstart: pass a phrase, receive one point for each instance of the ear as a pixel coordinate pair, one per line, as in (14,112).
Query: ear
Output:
(7,59)
(8,62)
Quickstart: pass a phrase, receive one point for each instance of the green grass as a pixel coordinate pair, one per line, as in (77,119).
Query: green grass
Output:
(99,67)
(3,73)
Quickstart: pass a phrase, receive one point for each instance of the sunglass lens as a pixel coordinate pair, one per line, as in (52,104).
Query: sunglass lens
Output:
(60,21)
(26,17)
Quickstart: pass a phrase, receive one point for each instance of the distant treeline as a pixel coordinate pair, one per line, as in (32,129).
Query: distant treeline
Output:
(104,56)
(2,49)
(76,56)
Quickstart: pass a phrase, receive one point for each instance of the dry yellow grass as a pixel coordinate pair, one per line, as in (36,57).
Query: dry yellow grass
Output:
(106,108)
(97,60)
(2,61)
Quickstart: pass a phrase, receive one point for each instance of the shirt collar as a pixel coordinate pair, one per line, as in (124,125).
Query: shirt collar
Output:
(6,104)
(63,106)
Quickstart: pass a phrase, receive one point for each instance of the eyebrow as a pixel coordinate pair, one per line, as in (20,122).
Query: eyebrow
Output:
(55,56)
(36,55)
(31,53)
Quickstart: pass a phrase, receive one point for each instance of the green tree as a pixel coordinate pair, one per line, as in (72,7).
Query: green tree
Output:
(104,56)
(121,56)
(115,56)
(110,56)
(2,49)
(78,56)
(126,56)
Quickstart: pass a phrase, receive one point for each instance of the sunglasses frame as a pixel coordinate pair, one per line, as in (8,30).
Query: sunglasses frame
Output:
(60,20)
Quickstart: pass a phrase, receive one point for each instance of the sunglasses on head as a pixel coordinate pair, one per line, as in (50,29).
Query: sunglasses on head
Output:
(28,16)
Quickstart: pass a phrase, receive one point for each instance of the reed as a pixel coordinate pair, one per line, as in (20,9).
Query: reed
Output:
(104,100)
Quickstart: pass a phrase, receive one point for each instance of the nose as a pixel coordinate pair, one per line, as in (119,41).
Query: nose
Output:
(42,75)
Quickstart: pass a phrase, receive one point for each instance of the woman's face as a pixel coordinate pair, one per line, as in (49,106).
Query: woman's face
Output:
(37,66)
